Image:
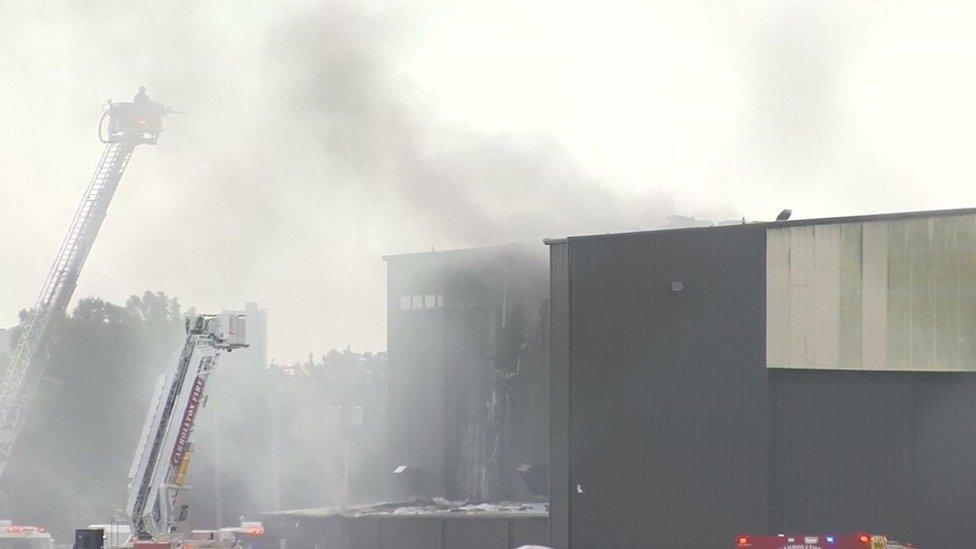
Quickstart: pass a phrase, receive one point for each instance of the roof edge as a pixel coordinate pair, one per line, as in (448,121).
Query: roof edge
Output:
(887,216)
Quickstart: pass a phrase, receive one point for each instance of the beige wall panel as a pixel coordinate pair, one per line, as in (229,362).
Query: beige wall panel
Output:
(825,343)
(801,294)
(851,298)
(878,295)
(874,292)
(803,297)
(777,298)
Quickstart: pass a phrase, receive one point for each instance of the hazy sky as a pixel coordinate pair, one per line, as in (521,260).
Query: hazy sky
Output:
(322,135)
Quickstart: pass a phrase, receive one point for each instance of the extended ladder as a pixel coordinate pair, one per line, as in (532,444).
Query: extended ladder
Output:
(131,124)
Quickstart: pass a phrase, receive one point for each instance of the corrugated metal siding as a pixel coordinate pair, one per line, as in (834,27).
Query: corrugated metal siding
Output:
(529,532)
(877,295)
(885,451)
(363,533)
(475,534)
(559,485)
(668,409)
(832,450)
(842,447)
(946,443)
(408,533)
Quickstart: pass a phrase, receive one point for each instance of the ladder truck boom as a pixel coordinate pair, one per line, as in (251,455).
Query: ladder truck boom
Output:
(158,472)
(128,125)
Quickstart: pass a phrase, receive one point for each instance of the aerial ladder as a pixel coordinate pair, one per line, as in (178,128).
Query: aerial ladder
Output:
(123,127)
(158,473)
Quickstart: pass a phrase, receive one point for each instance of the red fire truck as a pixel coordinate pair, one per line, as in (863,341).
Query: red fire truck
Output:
(24,537)
(853,541)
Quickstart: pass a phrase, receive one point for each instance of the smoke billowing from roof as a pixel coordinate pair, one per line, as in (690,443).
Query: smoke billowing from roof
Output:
(477,188)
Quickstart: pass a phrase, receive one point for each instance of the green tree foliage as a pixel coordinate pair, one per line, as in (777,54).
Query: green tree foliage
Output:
(72,460)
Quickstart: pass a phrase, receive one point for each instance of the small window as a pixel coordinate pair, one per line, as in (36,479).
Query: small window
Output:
(404,302)
(440,300)
(430,301)
(418,301)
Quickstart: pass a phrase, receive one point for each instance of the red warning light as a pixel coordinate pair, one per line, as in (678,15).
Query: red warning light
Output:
(143,121)
(864,538)
(743,540)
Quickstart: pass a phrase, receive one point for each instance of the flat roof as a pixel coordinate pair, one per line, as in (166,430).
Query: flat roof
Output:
(788,223)
(453,252)
(519,510)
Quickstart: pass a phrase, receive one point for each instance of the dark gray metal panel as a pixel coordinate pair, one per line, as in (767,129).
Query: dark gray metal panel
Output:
(475,534)
(410,533)
(362,533)
(843,452)
(946,442)
(559,290)
(668,428)
(328,532)
(884,451)
(533,531)
(439,357)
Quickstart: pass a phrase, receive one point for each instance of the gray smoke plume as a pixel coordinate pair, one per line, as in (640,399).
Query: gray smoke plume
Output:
(339,76)
(305,154)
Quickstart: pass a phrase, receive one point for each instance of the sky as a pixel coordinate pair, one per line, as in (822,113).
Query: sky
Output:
(319,136)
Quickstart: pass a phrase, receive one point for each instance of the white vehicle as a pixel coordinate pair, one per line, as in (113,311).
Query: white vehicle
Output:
(24,537)
(158,473)
(117,534)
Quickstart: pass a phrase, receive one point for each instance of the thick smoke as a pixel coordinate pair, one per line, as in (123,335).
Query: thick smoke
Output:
(477,188)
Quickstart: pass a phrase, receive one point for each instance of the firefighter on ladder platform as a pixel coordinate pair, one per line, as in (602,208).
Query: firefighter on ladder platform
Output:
(141,96)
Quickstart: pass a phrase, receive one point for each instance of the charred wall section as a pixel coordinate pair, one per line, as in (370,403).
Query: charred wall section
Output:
(467,336)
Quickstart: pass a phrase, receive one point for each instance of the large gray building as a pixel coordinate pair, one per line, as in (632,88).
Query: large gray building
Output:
(800,376)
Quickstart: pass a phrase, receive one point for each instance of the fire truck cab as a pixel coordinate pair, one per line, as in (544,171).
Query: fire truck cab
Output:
(828,541)
(24,537)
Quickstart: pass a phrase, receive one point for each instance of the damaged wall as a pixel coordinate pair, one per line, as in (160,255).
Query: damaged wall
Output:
(468,354)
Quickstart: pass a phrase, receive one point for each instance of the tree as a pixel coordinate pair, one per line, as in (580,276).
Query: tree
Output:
(71,463)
